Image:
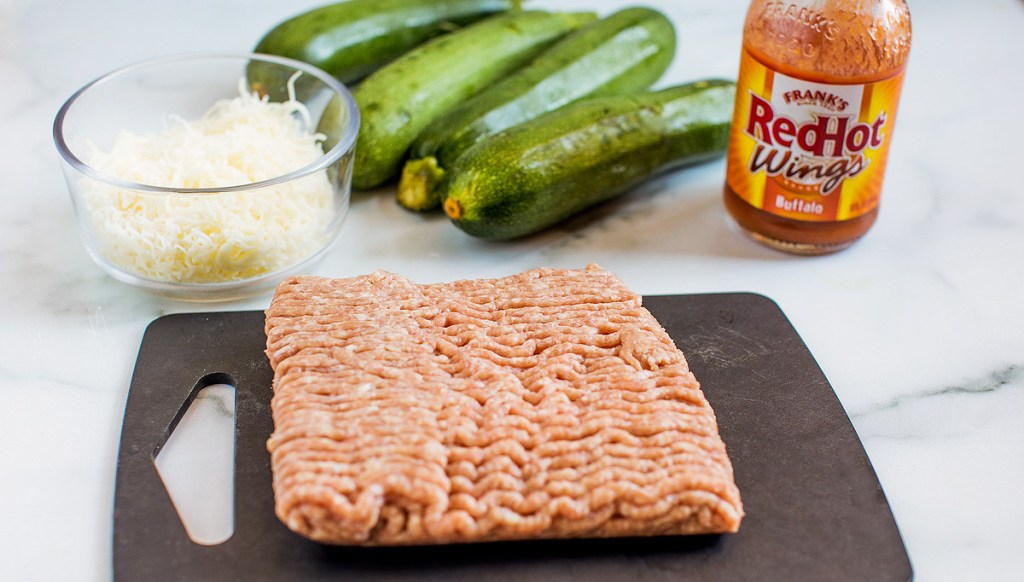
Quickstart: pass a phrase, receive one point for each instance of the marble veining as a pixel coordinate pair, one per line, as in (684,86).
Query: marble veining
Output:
(919,327)
(1008,378)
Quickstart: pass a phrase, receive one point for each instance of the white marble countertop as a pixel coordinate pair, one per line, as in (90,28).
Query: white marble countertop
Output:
(919,327)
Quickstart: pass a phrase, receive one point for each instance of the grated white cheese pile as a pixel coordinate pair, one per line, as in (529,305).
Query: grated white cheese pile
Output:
(205,238)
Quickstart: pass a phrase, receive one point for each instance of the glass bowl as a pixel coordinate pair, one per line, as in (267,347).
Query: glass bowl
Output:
(144,202)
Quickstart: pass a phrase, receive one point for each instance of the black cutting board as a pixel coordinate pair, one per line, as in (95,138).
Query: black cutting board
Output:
(815,509)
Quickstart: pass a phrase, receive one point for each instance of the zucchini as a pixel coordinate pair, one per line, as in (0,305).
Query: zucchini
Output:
(623,53)
(399,100)
(531,176)
(352,39)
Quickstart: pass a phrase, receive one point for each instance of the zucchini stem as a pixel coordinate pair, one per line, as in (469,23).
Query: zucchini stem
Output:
(418,188)
(452,208)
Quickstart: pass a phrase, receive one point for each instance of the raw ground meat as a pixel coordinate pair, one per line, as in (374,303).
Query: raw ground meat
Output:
(548,404)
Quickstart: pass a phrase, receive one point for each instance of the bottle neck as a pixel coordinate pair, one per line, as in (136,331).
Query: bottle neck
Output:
(830,41)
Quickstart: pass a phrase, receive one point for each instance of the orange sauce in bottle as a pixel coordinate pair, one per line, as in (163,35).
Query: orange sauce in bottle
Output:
(816,101)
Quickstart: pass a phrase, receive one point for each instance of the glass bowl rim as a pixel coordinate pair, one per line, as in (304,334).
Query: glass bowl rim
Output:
(345,143)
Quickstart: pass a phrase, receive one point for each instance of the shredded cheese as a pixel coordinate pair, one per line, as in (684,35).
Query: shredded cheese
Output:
(218,237)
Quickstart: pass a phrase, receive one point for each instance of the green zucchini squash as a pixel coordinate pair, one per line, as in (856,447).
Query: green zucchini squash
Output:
(402,98)
(534,175)
(352,39)
(623,53)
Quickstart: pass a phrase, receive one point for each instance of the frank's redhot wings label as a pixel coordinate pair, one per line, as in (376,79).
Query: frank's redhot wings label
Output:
(809,151)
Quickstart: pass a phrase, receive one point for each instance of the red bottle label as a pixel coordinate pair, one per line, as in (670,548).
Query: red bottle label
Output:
(809,151)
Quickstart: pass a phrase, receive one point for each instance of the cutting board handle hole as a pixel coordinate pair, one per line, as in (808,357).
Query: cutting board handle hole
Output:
(196,461)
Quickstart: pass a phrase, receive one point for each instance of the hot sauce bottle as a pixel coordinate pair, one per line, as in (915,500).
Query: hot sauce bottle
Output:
(816,100)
